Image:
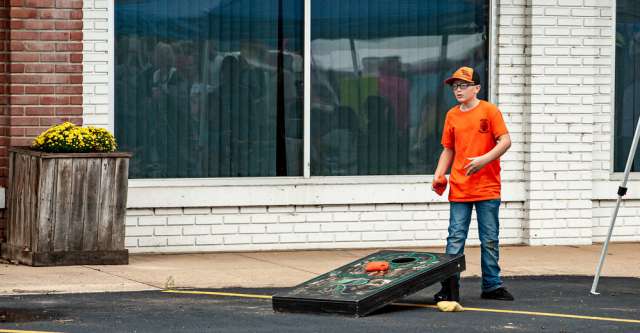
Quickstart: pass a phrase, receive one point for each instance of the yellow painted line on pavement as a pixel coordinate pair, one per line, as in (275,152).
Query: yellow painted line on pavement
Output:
(416,305)
(216,294)
(531,313)
(21,331)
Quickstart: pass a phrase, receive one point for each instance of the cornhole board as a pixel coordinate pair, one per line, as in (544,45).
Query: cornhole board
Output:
(350,290)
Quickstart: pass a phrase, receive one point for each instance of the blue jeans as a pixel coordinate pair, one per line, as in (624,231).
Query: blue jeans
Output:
(488,225)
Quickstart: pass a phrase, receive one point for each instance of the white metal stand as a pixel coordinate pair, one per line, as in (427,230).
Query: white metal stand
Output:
(622,190)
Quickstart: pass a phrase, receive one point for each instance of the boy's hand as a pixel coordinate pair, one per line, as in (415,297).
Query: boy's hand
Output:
(439,184)
(476,164)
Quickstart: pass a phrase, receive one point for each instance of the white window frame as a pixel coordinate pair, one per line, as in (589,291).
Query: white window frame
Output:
(612,174)
(605,189)
(303,190)
(616,176)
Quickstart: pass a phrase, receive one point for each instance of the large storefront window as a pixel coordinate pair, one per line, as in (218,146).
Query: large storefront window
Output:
(213,88)
(627,81)
(378,99)
(209,88)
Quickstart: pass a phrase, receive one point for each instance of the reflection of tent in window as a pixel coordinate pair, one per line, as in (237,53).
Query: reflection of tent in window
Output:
(257,18)
(395,88)
(354,18)
(224,20)
(354,92)
(389,83)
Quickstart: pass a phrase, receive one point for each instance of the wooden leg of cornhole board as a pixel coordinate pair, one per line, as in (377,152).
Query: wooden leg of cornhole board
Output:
(454,288)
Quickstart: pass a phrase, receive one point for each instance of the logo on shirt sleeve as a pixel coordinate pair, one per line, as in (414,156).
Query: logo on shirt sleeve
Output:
(484,126)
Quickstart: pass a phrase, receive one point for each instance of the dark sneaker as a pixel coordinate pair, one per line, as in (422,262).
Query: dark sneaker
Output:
(500,294)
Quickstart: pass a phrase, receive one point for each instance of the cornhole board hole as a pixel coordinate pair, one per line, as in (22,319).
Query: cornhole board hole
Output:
(350,290)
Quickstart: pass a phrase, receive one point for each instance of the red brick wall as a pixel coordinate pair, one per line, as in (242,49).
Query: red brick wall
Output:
(4,99)
(4,89)
(41,62)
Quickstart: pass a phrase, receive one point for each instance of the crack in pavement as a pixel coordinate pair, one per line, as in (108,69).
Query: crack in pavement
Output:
(124,277)
(279,264)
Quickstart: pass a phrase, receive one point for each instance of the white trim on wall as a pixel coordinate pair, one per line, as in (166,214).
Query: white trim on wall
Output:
(608,190)
(112,64)
(614,12)
(172,193)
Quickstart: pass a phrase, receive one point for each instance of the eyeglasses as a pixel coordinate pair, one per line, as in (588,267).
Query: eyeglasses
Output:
(462,86)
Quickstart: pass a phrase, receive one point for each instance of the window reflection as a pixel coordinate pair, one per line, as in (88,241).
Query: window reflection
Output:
(378,102)
(213,88)
(202,87)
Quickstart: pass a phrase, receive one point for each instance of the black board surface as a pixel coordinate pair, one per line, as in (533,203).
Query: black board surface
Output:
(350,290)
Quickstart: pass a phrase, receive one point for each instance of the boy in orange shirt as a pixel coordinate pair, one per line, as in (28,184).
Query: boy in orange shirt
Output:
(474,138)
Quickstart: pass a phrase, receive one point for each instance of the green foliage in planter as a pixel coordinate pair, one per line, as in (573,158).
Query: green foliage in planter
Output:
(69,138)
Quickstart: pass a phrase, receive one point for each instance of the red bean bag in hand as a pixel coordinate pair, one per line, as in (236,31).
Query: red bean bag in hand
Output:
(440,185)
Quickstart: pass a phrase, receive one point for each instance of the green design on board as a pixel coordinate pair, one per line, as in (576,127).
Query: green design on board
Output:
(352,281)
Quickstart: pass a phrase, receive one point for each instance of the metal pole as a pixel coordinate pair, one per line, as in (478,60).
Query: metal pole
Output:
(622,190)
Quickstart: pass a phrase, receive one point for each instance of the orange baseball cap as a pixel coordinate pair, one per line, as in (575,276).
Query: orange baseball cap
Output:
(464,74)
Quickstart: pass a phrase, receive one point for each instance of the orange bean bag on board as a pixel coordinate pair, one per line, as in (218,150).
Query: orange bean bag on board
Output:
(375,266)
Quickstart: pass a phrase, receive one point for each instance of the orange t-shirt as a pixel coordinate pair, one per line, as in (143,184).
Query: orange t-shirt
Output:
(473,133)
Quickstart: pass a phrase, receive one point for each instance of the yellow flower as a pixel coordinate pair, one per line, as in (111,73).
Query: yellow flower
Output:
(67,137)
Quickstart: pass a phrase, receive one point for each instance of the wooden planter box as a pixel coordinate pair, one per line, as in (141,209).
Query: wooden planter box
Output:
(66,209)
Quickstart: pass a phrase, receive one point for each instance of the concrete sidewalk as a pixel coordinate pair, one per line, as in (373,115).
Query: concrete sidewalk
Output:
(286,269)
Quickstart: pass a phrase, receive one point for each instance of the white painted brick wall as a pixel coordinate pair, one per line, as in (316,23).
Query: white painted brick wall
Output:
(553,83)
(358,226)
(561,42)
(96,63)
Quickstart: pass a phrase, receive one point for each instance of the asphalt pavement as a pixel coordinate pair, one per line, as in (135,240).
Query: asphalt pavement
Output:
(543,304)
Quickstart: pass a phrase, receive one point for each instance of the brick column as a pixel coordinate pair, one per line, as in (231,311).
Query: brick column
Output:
(46,66)
(43,62)
(563,93)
